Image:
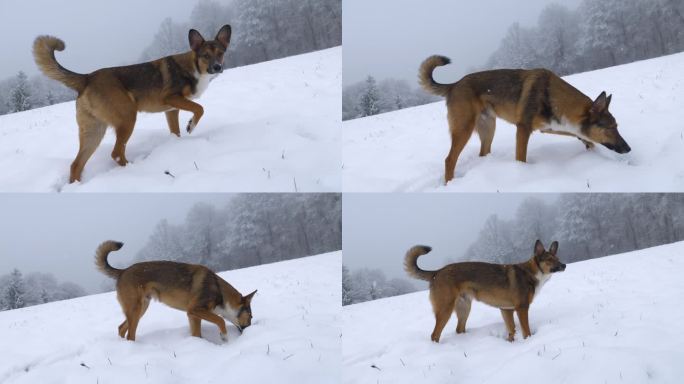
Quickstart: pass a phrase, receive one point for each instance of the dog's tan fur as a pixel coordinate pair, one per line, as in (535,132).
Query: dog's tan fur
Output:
(507,287)
(534,99)
(191,288)
(114,96)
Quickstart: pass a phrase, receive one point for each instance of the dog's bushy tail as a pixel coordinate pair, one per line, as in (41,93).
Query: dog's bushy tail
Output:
(44,48)
(411,263)
(101,258)
(425,75)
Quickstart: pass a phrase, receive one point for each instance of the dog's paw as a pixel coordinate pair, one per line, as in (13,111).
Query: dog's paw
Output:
(587,144)
(191,125)
(121,160)
(224,336)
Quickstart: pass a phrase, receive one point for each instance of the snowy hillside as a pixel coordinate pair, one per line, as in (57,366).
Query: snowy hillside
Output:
(295,335)
(615,319)
(273,126)
(405,150)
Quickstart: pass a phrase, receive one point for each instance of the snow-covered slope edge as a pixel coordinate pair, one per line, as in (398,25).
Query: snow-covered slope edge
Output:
(615,319)
(294,337)
(405,150)
(273,126)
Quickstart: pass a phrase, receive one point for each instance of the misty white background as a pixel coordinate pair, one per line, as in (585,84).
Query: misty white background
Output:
(378,228)
(58,234)
(390,38)
(97,33)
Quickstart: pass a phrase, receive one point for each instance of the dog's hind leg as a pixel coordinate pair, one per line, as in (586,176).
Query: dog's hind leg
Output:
(443,312)
(90,133)
(172,120)
(462,312)
(510,324)
(133,316)
(524,322)
(123,130)
(486,125)
(461,126)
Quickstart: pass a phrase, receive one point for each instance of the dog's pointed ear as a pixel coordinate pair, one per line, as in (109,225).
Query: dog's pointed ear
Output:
(538,248)
(196,40)
(608,101)
(554,248)
(223,36)
(600,104)
(248,298)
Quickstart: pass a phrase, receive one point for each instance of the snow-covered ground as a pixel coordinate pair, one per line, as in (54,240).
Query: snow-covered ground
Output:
(405,150)
(273,126)
(616,319)
(294,337)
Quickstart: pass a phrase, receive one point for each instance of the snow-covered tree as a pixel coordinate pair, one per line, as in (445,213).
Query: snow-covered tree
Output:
(369,102)
(13,295)
(518,49)
(494,242)
(557,37)
(20,96)
(68,290)
(163,244)
(171,38)
(346,286)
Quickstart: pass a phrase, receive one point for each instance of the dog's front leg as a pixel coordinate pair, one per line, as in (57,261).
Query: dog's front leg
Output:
(184,104)
(522,137)
(195,325)
(172,120)
(211,317)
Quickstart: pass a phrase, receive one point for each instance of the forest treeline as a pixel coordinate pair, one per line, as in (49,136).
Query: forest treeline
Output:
(18,290)
(252,229)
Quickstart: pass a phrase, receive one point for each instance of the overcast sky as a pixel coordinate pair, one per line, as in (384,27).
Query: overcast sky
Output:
(378,229)
(390,38)
(58,233)
(97,33)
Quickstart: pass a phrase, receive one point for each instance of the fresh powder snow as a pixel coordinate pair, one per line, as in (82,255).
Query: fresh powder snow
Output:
(614,319)
(294,336)
(404,151)
(268,127)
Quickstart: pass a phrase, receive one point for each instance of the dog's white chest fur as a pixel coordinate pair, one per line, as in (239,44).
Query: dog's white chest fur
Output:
(541,280)
(564,126)
(203,81)
(227,313)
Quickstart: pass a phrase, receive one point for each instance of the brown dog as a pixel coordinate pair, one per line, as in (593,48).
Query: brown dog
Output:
(114,96)
(508,287)
(534,99)
(187,287)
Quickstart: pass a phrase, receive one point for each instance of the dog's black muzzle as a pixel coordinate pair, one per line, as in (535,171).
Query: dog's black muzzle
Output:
(620,147)
(216,68)
(559,268)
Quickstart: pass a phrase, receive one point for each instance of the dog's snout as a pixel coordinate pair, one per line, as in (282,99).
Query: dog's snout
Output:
(624,148)
(217,67)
